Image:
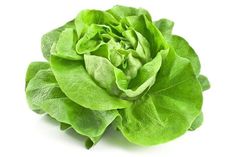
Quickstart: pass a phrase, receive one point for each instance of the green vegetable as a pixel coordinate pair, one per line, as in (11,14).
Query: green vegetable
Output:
(118,67)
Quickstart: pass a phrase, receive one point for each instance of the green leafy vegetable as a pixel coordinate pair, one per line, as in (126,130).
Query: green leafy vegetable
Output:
(205,84)
(118,67)
(197,122)
(168,109)
(44,94)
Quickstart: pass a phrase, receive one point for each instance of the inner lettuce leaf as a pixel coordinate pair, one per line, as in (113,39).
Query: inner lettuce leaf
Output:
(118,67)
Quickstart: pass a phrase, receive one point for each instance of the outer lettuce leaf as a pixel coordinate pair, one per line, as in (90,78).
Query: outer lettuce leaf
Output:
(76,83)
(183,49)
(55,103)
(165,26)
(180,45)
(51,38)
(33,68)
(168,109)
(204,82)
(64,126)
(92,141)
(65,46)
(197,122)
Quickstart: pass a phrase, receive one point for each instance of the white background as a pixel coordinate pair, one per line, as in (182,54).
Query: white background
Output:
(208,25)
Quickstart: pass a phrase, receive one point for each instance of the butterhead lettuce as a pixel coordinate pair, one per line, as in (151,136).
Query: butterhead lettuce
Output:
(118,67)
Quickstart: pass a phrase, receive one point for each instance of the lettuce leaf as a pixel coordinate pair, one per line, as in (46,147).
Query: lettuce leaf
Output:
(44,94)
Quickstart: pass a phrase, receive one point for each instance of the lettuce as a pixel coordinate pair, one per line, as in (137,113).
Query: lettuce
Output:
(118,67)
